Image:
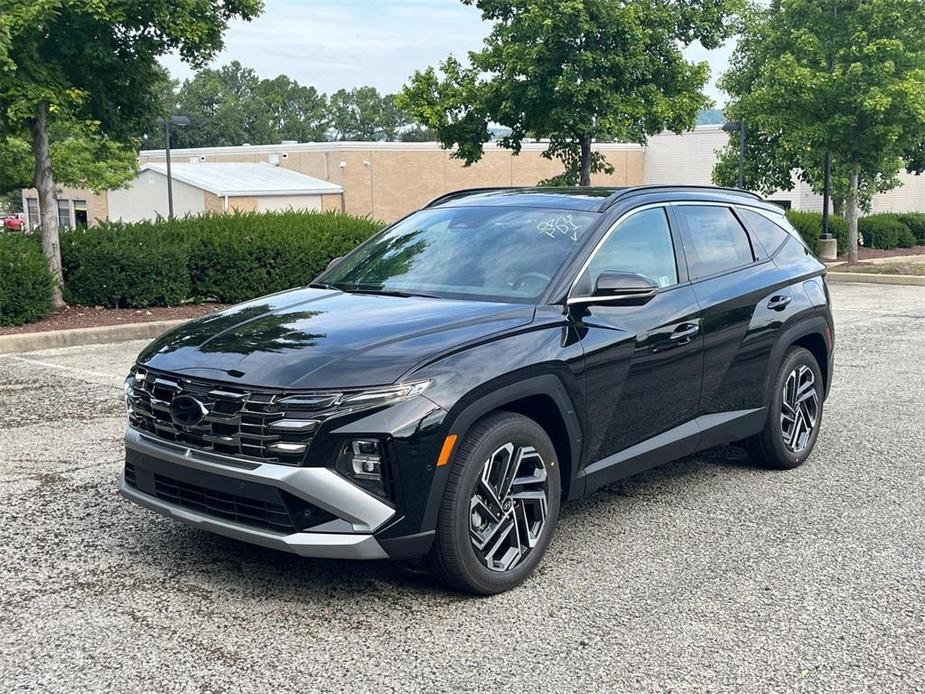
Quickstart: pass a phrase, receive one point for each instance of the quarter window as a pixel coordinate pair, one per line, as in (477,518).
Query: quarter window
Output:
(769,234)
(641,244)
(714,241)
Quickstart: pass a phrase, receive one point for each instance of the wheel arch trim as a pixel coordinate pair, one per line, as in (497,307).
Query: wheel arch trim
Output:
(814,326)
(546,385)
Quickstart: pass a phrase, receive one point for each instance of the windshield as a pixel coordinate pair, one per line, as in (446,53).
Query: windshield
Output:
(487,253)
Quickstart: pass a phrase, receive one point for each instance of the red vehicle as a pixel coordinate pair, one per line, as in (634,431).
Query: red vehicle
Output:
(15,222)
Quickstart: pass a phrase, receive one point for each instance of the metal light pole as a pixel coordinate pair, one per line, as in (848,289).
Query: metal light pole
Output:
(180,122)
(826,194)
(739,127)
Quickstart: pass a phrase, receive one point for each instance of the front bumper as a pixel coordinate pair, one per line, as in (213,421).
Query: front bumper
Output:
(349,536)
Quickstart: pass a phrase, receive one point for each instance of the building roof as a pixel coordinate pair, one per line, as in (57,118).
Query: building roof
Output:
(239,179)
(349,146)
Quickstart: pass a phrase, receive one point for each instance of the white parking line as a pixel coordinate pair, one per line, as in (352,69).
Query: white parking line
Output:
(50,365)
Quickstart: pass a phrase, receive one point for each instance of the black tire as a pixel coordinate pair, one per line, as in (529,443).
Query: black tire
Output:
(454,558)
(771,447)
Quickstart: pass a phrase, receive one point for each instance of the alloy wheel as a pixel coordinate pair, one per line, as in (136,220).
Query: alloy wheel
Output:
(507,512)
(799,409)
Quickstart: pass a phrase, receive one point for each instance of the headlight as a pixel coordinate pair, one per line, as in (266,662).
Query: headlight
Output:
(352,400)
(361,460)
(382,396)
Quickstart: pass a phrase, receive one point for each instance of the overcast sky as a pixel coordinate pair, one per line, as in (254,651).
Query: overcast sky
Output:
(347,43)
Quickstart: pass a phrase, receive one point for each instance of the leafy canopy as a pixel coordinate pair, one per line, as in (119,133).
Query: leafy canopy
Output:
(92,64)
(839,76)
(572,71)
(112,78)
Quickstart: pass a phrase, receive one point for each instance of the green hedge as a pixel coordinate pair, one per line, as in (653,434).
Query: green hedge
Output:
(916,223)
(809,224)
(25,282)
(885,231)
(226,258)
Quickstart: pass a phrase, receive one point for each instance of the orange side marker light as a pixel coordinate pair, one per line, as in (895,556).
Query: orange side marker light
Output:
(445,452)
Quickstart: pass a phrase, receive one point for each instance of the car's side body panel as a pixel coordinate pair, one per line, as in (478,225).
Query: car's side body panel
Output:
(630,354)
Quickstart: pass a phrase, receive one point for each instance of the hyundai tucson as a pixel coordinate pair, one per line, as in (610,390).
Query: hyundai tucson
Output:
(440,391)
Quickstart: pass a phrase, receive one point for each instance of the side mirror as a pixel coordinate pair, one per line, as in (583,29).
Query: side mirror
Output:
(621,288)
(334,263)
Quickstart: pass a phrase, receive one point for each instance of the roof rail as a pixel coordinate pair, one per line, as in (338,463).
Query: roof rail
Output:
(465,192)
(639,190)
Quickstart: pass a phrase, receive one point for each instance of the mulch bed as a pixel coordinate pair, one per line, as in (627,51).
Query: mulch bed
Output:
(868,253)
(94,316)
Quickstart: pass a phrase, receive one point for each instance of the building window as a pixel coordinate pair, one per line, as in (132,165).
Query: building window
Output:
(64,214)
(80,213)
(32,212)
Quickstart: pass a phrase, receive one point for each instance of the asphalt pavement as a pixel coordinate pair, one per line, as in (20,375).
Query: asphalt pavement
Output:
(707,574)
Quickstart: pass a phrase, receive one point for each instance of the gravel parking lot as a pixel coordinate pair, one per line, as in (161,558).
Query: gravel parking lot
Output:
(706,574)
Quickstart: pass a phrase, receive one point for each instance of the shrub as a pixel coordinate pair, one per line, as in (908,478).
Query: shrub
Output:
(225,258)
(246,255)
(916,223)
(123,267)
(25,282)
(809,225)
(884,231)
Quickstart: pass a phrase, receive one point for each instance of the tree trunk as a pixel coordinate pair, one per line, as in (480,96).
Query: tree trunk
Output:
(48,201)
(852,209)
(584,170)
(838,207)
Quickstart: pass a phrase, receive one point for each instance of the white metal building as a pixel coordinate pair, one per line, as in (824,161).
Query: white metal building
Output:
(220,187)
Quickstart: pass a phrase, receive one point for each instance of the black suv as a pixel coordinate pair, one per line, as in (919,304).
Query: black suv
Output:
(439,391)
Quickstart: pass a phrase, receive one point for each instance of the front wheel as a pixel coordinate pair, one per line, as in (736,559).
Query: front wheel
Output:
(794,414)
(500,506)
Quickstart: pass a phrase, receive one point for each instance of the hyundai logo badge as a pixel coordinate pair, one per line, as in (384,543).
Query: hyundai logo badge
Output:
(187,410)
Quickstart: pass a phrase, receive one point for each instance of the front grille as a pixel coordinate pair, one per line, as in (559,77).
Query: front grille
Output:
(239,509)
(267,426)
(260,506)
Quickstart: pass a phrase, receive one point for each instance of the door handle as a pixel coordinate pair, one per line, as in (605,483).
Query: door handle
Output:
(685,332)
(778,302)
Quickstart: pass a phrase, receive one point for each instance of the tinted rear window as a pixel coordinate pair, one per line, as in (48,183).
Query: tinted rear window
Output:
(714,241)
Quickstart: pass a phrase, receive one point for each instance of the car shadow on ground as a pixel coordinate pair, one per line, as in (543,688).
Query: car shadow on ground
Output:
(238,567)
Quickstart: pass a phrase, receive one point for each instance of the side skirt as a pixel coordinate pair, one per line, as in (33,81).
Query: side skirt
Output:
(703,432)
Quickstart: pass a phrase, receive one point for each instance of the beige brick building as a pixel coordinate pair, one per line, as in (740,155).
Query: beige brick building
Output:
(384,180)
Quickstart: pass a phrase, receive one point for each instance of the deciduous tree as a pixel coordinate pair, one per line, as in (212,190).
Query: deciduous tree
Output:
(94,61)
(840,76)
(572,71)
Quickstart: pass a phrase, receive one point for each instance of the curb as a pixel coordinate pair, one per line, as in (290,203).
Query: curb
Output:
(871,278)
(29,342)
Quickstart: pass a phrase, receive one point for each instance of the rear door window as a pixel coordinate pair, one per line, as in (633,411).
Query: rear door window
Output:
(714,241)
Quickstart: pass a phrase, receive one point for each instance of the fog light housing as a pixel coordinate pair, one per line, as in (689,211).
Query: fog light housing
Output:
(362,461)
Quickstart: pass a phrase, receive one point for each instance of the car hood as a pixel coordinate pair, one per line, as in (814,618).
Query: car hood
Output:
(318,338)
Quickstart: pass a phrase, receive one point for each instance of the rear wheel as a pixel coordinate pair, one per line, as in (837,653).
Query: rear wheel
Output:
(500,506)
(794,415)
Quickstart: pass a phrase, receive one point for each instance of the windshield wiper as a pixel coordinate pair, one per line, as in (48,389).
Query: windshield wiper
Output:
(323,285)
(387,292)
